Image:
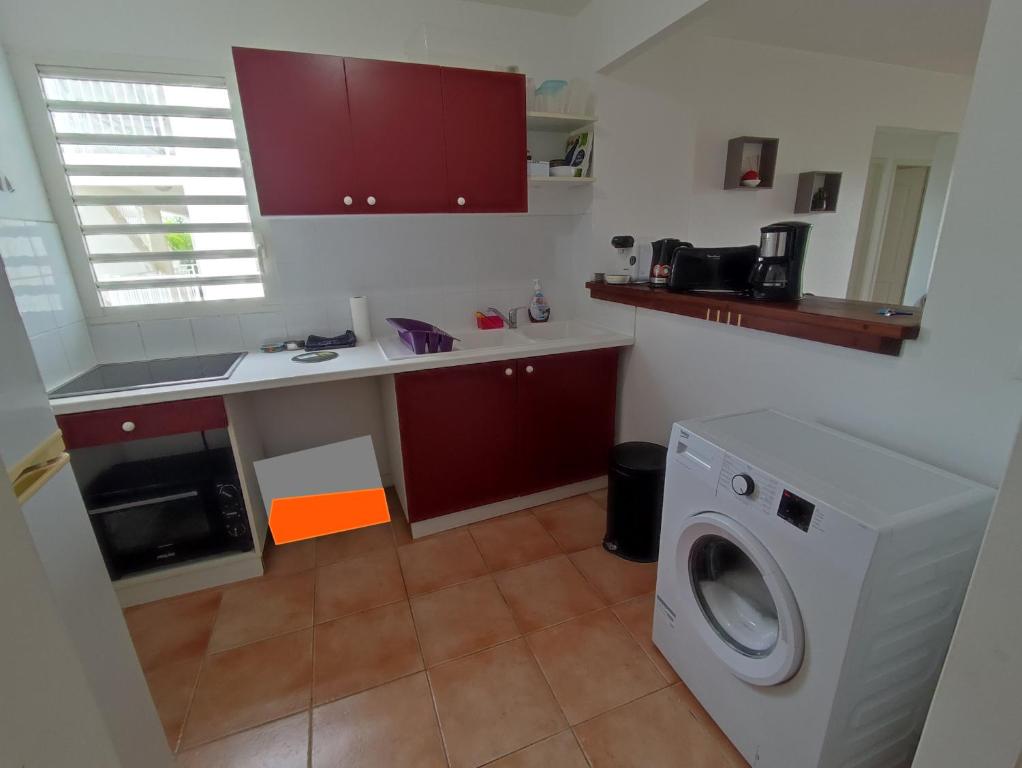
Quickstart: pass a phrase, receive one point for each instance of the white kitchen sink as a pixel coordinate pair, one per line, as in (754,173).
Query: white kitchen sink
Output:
(490,339)
(562,329)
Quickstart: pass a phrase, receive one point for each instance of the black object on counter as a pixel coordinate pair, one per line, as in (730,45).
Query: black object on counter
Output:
(315,343)
(635,496)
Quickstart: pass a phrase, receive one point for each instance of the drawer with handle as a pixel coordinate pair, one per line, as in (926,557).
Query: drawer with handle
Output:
(138,422)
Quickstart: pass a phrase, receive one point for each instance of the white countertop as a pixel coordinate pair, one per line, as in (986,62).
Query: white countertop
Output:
(268,370)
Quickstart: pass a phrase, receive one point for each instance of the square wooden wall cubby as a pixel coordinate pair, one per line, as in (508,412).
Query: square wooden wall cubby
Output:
(746,153)
(810,183)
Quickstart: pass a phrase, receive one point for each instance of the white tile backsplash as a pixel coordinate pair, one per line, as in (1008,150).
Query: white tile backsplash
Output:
(50,358)
(261,327)
(117,342)
(167,338)
(217,333)
(44,290)
(77,346)
(439,269)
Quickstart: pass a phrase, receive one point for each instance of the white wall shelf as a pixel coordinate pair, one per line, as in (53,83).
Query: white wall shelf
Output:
(568,181)
(555,121)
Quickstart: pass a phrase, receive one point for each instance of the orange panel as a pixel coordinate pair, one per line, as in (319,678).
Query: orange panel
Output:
(306,517)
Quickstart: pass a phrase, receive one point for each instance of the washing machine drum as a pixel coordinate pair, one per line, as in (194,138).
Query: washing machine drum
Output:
(737,596)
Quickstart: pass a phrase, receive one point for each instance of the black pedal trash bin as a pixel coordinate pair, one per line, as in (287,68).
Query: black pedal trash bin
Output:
(635,495)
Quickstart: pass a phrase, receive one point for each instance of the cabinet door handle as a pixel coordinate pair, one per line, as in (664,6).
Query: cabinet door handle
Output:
(371,200)
(529,369)
(508,372)
(348,200)
(461,201)
(128,426)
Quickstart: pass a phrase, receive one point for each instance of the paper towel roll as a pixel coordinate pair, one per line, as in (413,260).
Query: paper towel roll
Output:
(360,319)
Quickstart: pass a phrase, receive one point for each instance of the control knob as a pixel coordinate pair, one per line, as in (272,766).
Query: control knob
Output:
(742,484)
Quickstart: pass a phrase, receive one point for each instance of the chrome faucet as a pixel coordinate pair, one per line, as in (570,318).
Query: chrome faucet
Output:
(511,318)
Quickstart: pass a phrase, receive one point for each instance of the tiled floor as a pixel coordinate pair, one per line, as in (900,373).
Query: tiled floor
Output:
(513,643)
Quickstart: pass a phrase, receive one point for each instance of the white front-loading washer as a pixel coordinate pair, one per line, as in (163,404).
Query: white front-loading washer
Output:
(808,585)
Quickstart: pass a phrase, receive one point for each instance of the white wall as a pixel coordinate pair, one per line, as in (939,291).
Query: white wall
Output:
(949,398)
(33,254)
(438,268)
(608,30)
(976,711)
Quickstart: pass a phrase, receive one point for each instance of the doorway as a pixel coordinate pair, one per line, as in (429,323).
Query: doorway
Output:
(902,213)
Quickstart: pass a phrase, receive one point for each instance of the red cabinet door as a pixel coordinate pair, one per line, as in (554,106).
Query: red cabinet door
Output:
(458,437)
(397,133)
(484,132)
(299,135)
(566,406)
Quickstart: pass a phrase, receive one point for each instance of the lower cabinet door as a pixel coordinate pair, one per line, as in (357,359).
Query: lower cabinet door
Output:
(458,437)
(566,407)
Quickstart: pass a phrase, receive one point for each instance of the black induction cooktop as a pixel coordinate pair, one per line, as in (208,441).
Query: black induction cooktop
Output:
(118,377)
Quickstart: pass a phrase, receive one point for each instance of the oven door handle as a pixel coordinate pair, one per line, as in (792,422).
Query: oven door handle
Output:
(143,503)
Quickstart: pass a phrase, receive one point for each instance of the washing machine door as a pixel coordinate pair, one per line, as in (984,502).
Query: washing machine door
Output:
(739,600)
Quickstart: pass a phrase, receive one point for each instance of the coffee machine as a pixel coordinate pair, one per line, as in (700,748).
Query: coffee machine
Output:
(776,273)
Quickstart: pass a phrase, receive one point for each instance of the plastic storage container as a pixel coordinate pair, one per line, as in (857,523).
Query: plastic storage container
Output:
(635,497)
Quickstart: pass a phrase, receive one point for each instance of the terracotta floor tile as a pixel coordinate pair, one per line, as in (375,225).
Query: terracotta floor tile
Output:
(560,751)
(249,686)
(511,540)
(440,561)
(171,687)
(493,703)
(600,497)
(593,665)
(393,725)
(462,619)
(398,521)
(172,630)
(688,699)
(342,546)
(614,577)
(261,608)
(364,650)
(357,584)
(654,732)
(285,559)
(546,593)
(280,744)
(637,616)
(576,523)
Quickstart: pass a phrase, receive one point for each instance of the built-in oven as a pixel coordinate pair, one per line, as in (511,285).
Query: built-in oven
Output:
(167,510)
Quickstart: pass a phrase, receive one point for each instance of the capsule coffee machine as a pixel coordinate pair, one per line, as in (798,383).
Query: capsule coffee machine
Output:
(776,273)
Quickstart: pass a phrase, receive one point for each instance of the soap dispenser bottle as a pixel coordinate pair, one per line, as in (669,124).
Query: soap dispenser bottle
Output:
(539,309)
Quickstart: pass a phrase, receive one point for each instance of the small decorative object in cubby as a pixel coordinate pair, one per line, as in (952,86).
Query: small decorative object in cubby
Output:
(750,158)
(817,192)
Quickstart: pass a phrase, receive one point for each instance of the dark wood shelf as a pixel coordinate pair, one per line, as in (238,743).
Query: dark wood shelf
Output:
(808,185)
(740,152)
(842,322)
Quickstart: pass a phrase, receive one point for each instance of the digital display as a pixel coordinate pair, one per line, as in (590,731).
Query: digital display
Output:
(796,510)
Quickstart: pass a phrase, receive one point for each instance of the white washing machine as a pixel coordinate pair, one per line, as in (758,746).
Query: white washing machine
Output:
(808,586)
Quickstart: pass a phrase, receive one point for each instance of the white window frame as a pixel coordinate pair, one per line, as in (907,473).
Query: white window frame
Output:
(28,69)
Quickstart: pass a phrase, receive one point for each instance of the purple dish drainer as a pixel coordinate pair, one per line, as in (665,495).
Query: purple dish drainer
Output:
(421,337)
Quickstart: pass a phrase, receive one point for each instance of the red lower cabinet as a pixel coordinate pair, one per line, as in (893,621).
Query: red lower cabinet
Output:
(566,410)
(458,428)
(477,434)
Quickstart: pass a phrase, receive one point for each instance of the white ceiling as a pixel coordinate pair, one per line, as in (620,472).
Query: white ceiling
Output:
(557,7)
(941,35)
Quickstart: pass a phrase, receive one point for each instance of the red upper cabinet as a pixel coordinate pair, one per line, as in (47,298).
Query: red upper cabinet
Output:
(484,132)
(397,131)
(299,134)
(329,135)
(458,437)
(566,417)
